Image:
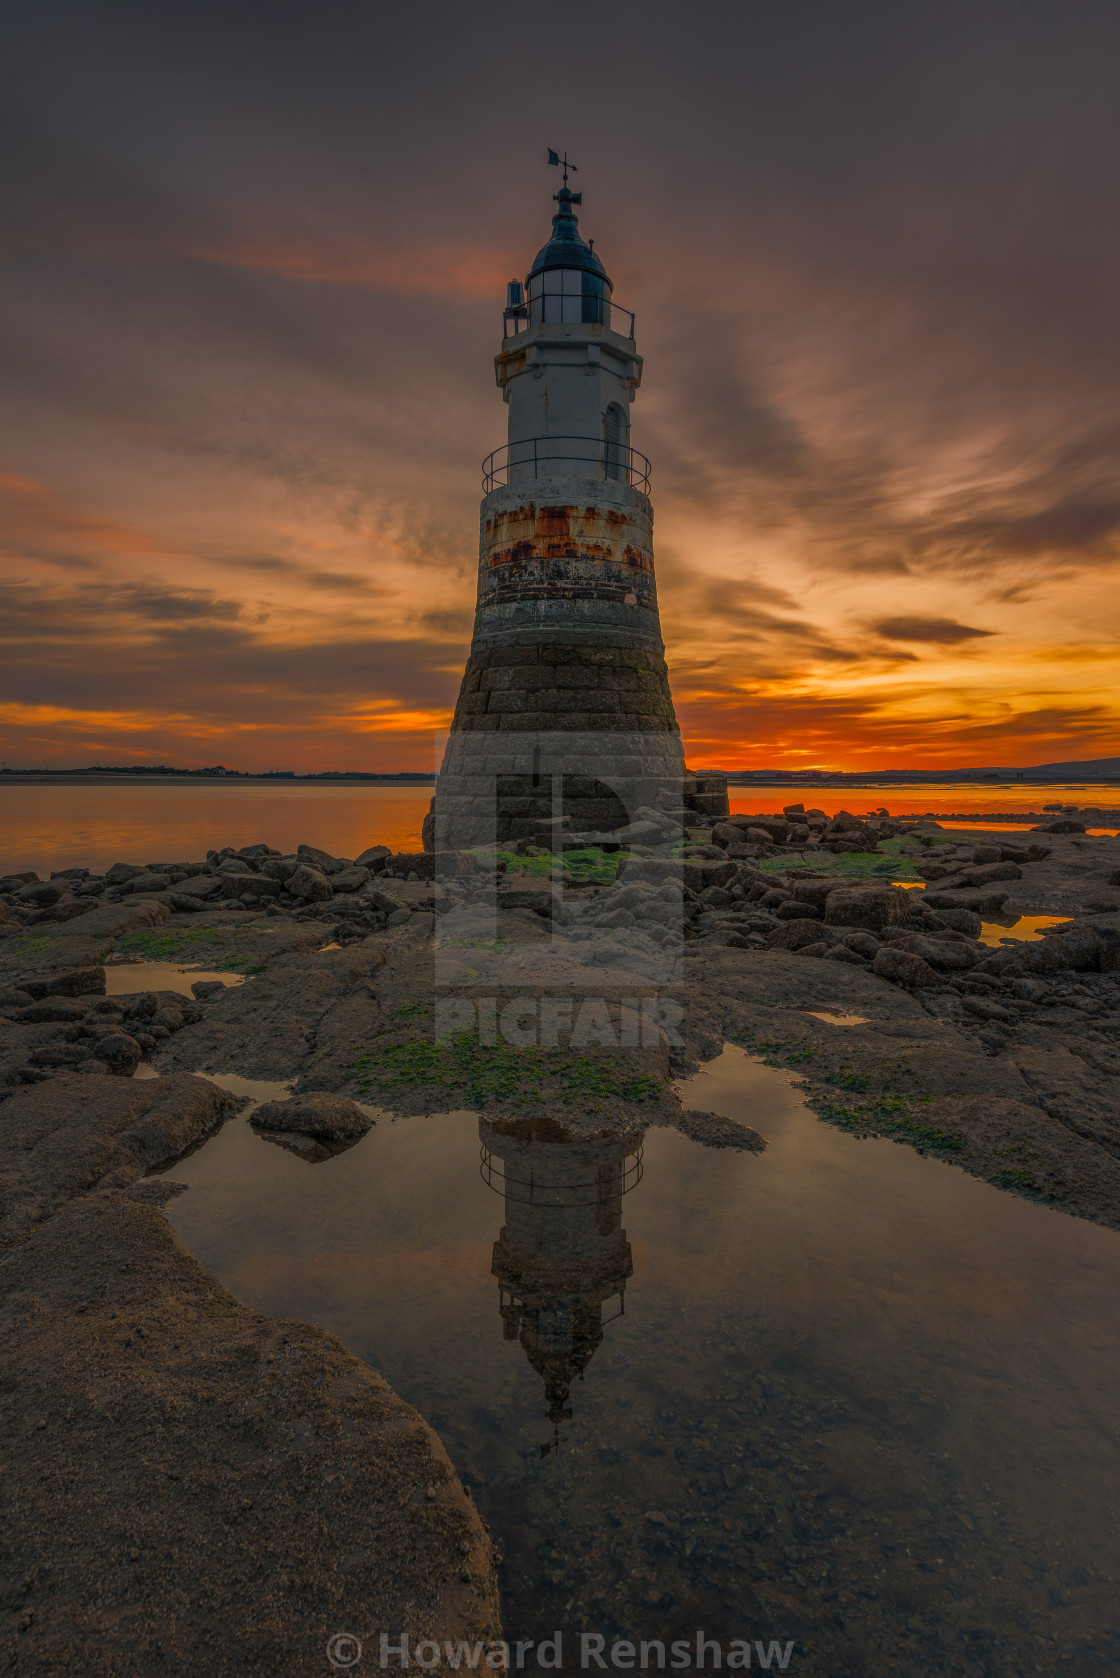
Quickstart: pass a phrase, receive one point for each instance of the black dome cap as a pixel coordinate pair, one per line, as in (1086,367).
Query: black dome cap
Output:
(566,249)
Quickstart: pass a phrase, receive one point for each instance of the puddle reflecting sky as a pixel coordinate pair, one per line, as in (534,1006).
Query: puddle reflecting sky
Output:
(122,978)
(836,1392)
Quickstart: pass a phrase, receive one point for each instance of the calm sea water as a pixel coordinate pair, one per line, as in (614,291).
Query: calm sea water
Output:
(71,826)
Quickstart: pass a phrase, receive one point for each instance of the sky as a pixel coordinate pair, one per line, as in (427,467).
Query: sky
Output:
(252,270)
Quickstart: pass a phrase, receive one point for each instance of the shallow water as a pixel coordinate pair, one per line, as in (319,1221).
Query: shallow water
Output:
(836,1392)
(92,826)
(88,826)
(1028,927)
(122,978)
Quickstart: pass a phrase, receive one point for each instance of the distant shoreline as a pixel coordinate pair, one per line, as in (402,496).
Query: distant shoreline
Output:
(887,782)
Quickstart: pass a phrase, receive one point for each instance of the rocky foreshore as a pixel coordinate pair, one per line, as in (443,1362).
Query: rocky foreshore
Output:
(203,1489)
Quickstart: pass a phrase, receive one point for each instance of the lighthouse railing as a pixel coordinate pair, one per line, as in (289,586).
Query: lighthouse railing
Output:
(575,457)
(557,310)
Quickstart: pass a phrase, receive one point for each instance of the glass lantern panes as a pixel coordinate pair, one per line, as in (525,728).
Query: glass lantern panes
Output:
(568,296)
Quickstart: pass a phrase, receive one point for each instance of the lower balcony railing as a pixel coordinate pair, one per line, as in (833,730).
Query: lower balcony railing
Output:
(566,457)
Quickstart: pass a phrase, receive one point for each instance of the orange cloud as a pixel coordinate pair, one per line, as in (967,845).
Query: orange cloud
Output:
(330,258)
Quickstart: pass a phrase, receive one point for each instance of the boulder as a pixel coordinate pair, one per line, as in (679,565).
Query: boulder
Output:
(68,909)
(120,1052)
(233,865)
(719,873)
(991,872)
(1063,825)
(793,910)
(795,935)
(982,1009)
(869,907)
(844,952)
(1077,948)
(350,879)
(320,1114)
(980,902)
(122,871)
(966,921)
(279,868)
(310,885)
(814,891)
(40,894)
(862,943)
(52,1009)
(902,968)
(200,886)
(73,981)
(373,858)
(949,956)
(986,853)
(311,857)
(758,836)
(184,904)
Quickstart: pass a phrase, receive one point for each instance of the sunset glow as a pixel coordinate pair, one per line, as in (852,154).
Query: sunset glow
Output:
(239,439)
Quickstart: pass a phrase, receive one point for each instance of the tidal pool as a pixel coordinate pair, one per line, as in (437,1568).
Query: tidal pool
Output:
(123,978)
(836,1393)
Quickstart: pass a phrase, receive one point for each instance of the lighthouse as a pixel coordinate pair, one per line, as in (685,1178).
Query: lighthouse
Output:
(565,720)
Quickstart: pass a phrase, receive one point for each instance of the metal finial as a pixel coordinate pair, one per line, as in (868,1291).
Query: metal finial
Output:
(561,163)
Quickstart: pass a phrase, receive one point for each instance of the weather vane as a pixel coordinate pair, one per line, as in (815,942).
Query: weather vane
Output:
(561,163)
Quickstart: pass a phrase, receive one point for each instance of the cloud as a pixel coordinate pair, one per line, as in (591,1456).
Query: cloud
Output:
(938,631)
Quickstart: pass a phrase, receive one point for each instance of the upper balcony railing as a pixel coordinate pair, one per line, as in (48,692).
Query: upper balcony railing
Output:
(562,310)
(575,457)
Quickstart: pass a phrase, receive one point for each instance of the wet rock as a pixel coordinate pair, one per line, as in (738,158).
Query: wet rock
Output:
(350,879)
(319,1114)
(310,885)
(40,894)
(795,935)
(120,1052)
(792,910)
(185,904)
(279,868)
(980,902)
(712,1130)
(68,909)
(373,858)
(73,981)
(199,886)
(966,921)
(904,969)
(59,1054)
(52,1008)
(941,953)
(990,874)
(122,871)
(982,1008)
(868,907)
(862,943)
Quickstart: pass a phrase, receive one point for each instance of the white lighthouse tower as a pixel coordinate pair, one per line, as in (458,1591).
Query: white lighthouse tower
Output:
(567,637)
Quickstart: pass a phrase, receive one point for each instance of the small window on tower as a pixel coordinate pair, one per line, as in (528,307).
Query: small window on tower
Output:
(615,450)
